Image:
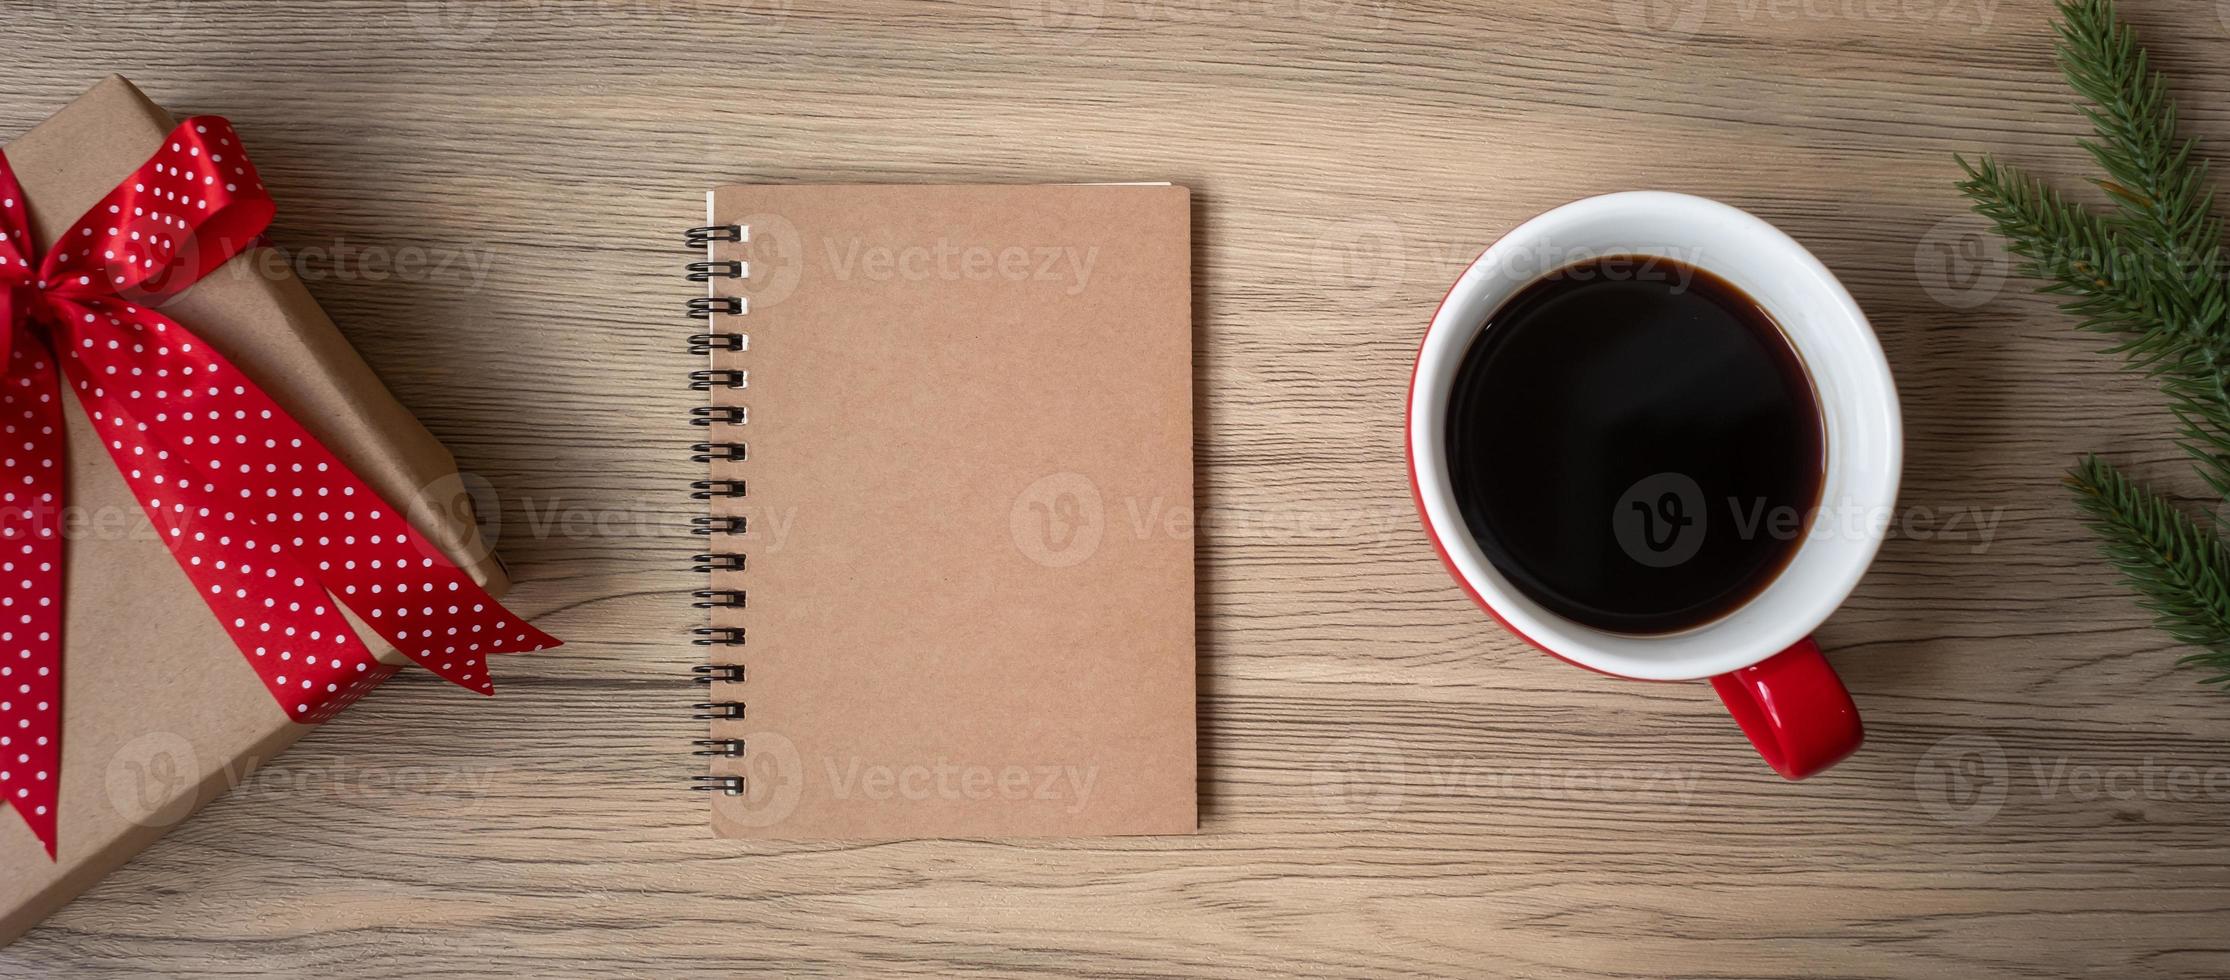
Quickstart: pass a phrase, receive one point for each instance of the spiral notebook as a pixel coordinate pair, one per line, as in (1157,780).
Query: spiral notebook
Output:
(949,543)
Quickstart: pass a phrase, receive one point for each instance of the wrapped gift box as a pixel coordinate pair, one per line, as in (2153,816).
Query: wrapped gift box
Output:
(163,714)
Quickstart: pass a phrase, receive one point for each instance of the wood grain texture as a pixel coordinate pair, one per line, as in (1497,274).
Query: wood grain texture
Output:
(1391,786)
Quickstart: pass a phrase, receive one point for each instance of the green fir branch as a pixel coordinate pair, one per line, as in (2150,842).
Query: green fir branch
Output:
(2149,272)
(2076,252)
(2150,171)
(2179,569)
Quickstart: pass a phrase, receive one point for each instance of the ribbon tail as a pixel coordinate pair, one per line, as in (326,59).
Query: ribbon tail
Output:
(31,468)
(275,531)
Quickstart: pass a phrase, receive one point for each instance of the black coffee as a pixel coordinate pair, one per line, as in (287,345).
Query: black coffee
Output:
(1635,445)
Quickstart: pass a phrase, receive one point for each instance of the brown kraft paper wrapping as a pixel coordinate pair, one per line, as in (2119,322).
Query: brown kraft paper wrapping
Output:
(149,677)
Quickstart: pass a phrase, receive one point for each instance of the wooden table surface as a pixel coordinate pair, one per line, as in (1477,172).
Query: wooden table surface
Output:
(1390,785)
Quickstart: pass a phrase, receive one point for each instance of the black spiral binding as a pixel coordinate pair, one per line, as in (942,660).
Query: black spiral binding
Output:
(731,785)
(708,673)
(708,380)
(729,747)
(706,525)
(712,560)
(719,599)
(708,489)
(709,271)
(718,415)
(701,237)
(701,344)
(720,562)
(706,452)
(703,307)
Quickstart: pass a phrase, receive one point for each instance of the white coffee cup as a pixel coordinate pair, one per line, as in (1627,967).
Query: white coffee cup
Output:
(1759,656)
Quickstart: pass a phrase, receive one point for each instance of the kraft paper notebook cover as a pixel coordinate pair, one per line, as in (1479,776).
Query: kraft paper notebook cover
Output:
(949,540)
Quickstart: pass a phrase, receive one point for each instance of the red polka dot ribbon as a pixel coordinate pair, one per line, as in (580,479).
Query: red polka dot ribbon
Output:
(272,530)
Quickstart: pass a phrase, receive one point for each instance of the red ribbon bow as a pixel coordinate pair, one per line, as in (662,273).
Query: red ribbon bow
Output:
(273,531)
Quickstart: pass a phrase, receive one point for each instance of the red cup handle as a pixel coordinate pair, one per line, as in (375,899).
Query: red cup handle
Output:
(1794,709)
